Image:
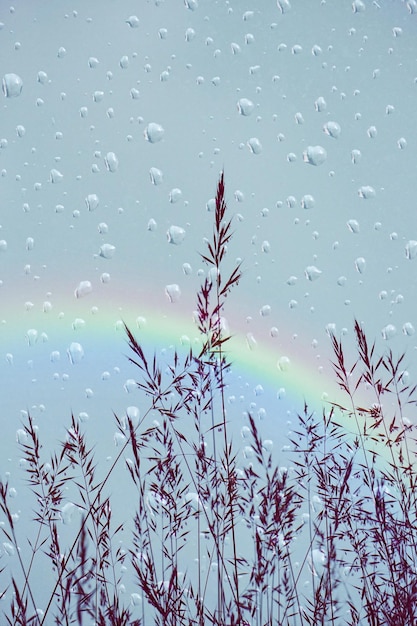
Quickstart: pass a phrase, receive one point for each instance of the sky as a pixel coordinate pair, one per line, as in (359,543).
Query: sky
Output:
(117,118)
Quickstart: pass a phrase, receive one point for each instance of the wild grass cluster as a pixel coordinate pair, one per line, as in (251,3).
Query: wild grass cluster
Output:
(224,532)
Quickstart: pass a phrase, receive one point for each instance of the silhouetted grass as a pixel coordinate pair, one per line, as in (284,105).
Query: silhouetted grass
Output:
(223,533)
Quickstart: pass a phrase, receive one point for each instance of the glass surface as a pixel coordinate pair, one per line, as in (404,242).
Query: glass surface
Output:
(117,118)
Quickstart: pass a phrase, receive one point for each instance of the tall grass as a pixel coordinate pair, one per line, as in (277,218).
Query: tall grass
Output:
(224,533)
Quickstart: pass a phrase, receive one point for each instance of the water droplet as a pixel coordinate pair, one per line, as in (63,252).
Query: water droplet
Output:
(153,132)
(92,201)
(107,250)
(189,34)
(111,161)
(32,336)
(316,51)
(8,548)
(105,278)
(297,49)
(21,436)
(152,225)
(9,358)
(358,6)
(388,331)
(173,292)
(248,452)
(291,281)
(366,192)
(133,21)
(283,363)
(3,245)
(93,62)
(251,341)
(299,119)
(408,329)
(20,131)
(135,599)
(130,385)
(175,235)
(175,195)
(312,272)
(245,106)
(55,356)
(372,132)
(353,226)
(254,145)
(192,5)
(355,156)
(259,390)
(42,78)
(133,413)
(156,176)
(265,310)
(332,129)
(61,52)
(281,393)
(307,202)
(67,512)
(412,6)
(75,352)
(411,249)
(30,243)
(84,288)
(124,62)
(320,104)
(314,155)
(360,264)
(402,143)
(98,96)
(266,246)
(55,176)
(284,5)
(12,85)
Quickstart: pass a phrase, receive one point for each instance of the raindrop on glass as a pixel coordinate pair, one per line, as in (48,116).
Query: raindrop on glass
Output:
(175,235)
(84,288)
(314,155)
(360,264)
(107,251)
(366,192)
(312,273)
(55,176)
(173,292)
(307,202)
(175,195)
(245,106)
(92,201)
(75,352)
(283,363)
(284,5)
(408,329)
(12,85)
(388,331)
(156,176)
(353,226)
(254,145)
(411,249)
(320,104)
(332,129)
(153,132)
(111,161)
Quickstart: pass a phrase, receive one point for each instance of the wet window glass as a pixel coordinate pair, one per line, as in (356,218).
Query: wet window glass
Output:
(208,240)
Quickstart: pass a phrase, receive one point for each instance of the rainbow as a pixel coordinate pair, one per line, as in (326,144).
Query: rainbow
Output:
(273,370)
